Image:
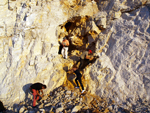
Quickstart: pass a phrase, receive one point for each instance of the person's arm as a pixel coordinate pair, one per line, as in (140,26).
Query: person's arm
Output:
(67,43)
(89,57)
(70,69)
(39,93)
(73,69)
(42,93)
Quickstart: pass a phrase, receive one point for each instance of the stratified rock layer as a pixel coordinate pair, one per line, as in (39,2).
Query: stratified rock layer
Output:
(116,30)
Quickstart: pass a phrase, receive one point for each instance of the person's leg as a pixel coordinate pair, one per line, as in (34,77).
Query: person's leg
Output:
(76,80)
(81,63)
(78,61)
(66,52)
(62,52)
(87,61)
(80,81)
(34,97)
(37,97)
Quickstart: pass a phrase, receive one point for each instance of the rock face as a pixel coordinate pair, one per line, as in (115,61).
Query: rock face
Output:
(116,30)
(122,69)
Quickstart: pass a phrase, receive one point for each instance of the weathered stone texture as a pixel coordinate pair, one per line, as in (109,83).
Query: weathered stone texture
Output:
(116,30)
(127,56)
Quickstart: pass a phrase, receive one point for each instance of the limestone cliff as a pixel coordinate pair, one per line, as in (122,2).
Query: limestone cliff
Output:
(116,30)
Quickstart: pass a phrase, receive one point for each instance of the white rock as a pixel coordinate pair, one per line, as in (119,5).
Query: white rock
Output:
(42,110)
(68,92)
(30,19)
(76,109)
(58,110)
(22,109)
(3,2)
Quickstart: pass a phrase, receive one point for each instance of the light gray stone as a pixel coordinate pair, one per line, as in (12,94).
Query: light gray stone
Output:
(66,96)
(58,110)
(76,109)
(110,108)
(26,111)
(22,109)
(42,110)
(68,93)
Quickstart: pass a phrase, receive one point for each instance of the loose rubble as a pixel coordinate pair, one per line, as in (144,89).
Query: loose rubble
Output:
(71,101)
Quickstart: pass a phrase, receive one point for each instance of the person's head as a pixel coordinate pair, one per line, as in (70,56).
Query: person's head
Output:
(64,38)
(44,87)
(74,66)
(90,51)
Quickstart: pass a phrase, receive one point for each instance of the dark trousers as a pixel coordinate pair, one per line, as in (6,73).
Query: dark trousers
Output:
(83,62)
(79,79)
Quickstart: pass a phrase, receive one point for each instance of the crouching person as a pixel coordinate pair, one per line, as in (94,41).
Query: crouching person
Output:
(36,88)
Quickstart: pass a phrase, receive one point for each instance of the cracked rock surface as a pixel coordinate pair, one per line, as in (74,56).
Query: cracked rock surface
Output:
(117,31)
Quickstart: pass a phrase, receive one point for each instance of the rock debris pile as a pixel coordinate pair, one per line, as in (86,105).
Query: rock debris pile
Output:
(65,100)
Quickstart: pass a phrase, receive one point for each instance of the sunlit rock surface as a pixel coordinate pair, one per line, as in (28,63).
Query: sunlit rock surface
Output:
(116,30)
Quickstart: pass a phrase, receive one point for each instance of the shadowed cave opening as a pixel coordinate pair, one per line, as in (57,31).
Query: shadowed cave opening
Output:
(78,30)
